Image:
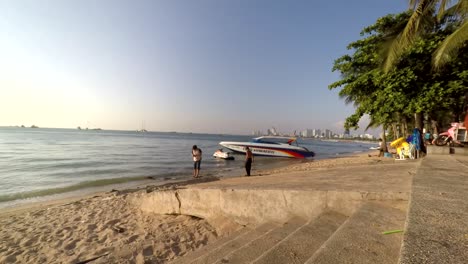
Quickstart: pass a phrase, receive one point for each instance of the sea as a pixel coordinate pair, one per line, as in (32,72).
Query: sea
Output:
(38,164)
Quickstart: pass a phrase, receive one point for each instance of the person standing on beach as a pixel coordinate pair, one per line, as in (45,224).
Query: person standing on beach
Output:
(248,160)
(381,148)
(197,157)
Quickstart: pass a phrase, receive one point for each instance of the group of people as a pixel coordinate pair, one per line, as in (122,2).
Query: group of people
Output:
(197,158)
(415,139)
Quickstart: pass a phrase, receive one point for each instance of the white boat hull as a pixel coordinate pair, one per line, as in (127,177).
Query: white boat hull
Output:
(223,155)
(272,150)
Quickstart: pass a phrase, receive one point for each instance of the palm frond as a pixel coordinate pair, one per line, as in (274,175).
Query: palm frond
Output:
(452,11)
(413,4)
(463,8)
(459,10)
(449,47)
(372,124)
(416,23)
(463,3)
(443,6)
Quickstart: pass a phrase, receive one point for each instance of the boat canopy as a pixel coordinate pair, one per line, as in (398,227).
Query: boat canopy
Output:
(274,140)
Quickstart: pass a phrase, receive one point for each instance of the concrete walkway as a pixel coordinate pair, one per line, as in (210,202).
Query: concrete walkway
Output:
(437,221)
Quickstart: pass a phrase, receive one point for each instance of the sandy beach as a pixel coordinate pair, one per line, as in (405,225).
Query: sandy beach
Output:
(107,227)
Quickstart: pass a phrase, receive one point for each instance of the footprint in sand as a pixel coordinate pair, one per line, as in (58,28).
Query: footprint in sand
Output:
(132,238)
(71,245)
(148,250)
(112,222)
(8,259)
(28,242)
(58,244)
(103,239)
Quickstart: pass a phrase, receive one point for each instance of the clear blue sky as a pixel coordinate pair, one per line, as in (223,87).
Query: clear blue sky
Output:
(214,66)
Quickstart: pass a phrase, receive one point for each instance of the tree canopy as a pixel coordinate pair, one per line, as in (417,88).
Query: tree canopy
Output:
(412,86)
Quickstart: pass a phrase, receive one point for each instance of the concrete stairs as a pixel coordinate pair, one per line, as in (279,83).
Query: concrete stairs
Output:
(360,238)
(213,252)
(300,246)
(217,245)
(253,249)
(331,237)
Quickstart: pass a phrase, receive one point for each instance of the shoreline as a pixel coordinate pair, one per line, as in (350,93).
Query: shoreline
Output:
(141,182)
(48,200)
(21,205)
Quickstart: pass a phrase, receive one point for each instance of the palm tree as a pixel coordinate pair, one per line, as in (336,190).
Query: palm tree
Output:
(422,20)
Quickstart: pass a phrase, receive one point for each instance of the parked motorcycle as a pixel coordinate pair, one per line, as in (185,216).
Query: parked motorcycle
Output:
(447,137)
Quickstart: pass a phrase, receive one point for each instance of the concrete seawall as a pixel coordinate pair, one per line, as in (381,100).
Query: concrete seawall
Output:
(256,206)
(276,198)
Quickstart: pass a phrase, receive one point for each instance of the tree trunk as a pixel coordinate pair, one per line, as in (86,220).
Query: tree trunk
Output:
(384,138)
(404,127)
(418,121)
(395,131)
(434,127)
(465,109)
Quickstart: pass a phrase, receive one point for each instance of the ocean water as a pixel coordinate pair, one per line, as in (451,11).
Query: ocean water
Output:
(42,162)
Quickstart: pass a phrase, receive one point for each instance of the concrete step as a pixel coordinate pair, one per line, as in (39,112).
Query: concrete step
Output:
(191,256)
(360,238)
(300,245)
(232,245)
(257,247)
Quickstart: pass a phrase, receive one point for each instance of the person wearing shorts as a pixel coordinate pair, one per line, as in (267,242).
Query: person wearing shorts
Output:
(197,157)
(248,161)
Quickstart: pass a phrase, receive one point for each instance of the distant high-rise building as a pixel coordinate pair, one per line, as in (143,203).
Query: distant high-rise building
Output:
(257,133)
(316,133)
(272,132)
(307,133)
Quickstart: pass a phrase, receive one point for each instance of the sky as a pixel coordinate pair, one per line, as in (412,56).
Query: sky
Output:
(204,66)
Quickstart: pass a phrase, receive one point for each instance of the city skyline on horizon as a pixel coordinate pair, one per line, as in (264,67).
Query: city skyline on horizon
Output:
(326,133)
(252,131)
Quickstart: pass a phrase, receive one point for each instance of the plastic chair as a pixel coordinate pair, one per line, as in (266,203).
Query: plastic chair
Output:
(407,150)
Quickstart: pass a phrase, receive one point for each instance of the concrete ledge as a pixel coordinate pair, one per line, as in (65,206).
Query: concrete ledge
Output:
(256,206)
(460,151)
(446,150)
(432,149)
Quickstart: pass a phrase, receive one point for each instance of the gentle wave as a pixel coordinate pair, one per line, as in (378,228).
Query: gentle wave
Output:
(82,185)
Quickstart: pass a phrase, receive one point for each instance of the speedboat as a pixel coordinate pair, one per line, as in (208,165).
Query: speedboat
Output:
(222,155)
(271,146)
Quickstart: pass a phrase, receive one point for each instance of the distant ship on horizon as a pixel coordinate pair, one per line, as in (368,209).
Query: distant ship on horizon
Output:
(79,128)
(142,130)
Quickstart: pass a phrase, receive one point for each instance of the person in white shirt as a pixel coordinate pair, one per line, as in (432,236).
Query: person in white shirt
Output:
(197,157)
